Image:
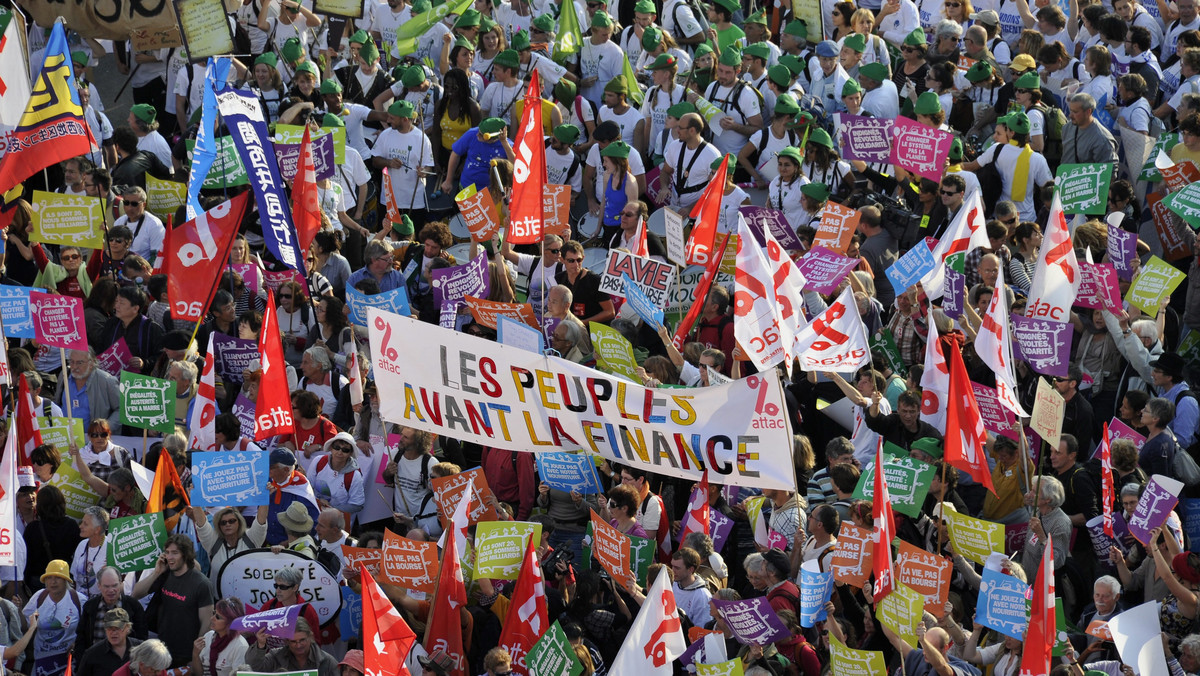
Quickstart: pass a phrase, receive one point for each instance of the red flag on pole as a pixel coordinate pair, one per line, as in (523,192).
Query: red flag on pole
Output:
(885,531)
(702,288)
(527,618)
(529,170)
(966,438)
(1107,490)
(1042,632)
(388,638)
(273,408)
(698,512)
(29,433)
(306,206)
(444,631)
(707,212)
(196,255)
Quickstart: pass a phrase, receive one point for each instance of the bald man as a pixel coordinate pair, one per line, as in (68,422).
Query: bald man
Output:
(931,657)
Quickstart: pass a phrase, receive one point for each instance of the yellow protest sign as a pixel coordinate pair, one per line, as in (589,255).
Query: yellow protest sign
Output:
(975,539)
(900,611)
(78,494)
(61,431)
(846,661)
(731,668)
(614,354)
(164,197)
(67,219)
(1155,281)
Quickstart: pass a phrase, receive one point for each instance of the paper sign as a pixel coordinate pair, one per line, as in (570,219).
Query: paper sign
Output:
(732,667)
(448,490)
(852,558)
(164,197)
(251,275)
(911,267)
(1100,286)
(1083,188)
(553,655)
(205,28)
(853,662)
(1119,430)
(926,573)
(149,403)
(955,290)
(1048,410)
(233,356)
(1155,281)
(227,169)
(279,622)
(486,312)
(919,149)
(676,250)
(1186,203)
(395,301)
(1173,244)
(611,548)
(351,9)
(1045,344)
(77,220)
(519,335)
(975,539)
(134,542)
(556,210)
(908,482)
(1159,498)
(836,228)
(354,557)
(249,575)
(452,284)
(294,133)
(408,563)
(568,472)
(16,311)
(272,280)
(652,277)
(58,320)
(868,139)
(825,269)
(614,354)
(478,213)
(900,611)
(287,155)
(645,308)
(78,494)
(61,432)
(753,621)
(815,587)
(221,478)
(115,358)
(1122,249)
(721,526)
(500,547)
(761,219)
(244,410)
(997,419)
(1002,603)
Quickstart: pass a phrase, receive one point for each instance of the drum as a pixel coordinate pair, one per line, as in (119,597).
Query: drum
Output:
(657,223)
(589,227)
(595,259)
(461,252)
(770,169)
(459,230)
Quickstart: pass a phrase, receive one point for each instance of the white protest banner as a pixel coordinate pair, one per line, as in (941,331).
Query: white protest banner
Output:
(495,395)
(250,576)
(836,340)
(652,277)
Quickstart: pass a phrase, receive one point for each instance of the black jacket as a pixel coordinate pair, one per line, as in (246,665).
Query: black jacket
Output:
(89,615)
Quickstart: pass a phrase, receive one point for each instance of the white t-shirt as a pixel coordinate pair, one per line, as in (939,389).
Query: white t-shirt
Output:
(864,438)
(499,101)
(387,22)
(411,486)
(148,233)
(559,166)
(351,174)
(746,106)
(603,62)
(692,170)
(627,121)
(788,199)
(412,149)
(156,144)
(1006,164)
(679,20)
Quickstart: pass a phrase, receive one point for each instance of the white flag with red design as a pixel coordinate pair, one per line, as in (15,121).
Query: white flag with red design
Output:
(8,499)
(965,436)
(388,638)
(656,638)
(935,380)
(204,411)
(459,521)
(994,347)
(1057,275)
(354,373)
(1043,631)
(1107,490)
(527,618)
(697,519)
(643,247)
(885,531)
(836,340)
(965,233)
(760,330)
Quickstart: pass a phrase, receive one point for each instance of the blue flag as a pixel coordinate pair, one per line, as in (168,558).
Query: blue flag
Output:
(205,151)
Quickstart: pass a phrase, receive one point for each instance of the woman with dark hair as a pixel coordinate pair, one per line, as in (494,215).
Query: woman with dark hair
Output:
(822,164)
(457,112)
(21,267)
(249,324)
(843,15)
(1177,614)
(329,261)
(296,319)
(220,651)
(620,186)
(332,330)
(940,80)
(100,453)
(1027,239)
(45,460)
(53,536)
(1121,199)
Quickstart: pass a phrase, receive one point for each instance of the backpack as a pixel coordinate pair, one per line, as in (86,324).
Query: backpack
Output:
(329,561)
(816,107)
(245,540)
(348,477)
(991,185)
(1052,132)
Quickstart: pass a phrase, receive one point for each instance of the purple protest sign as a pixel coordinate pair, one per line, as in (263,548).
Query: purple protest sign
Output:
(1044,344)
(115,358)
(752,621)
(761,217)
(776,541)
(825,269)
(451,284)
(1119,430)
(1101,542)
(955,293)
(997,419)
(1122,249)
(1098,287)
(250,275)
(1014,538)
(280,622)
(273,280)
(920,149)
(868,139)
(243,409)
(721,526)
(233,355)
(287,155)
(58,320)
(1156,504)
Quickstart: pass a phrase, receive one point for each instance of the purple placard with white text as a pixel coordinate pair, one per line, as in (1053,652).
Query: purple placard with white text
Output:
(1159,498)
(752,621)
(868,139)
(279,622)
(997,419)
(451,284)
(1122,249)
(919,149)
(288,157)
(759,217)
(954,293)
(825,269)
(1044,344)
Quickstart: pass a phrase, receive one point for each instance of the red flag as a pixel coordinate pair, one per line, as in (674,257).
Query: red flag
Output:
(273,408)
(1107,492)
(706,212)
(444,630)
(306,207)
(204,408)
(1042,632)
(527,618)
(388,636)
(196,255)
(698,510)
(885,531)
(29,433)
(167,494)
(643,248)
(529,170)
(702,288)
(965,435)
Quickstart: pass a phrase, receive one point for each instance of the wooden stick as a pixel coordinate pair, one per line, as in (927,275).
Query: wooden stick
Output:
(62,353)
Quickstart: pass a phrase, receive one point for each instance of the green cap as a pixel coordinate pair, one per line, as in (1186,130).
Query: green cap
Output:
(851,88)
(716,164)
(144,112)
(414,77)
(420,7)
(368,52)
(520,40)
(79,57)
(730,5)
(544,23)
(876,71)
(929,446)
(817,191)
(617,85)
(663,62)
(1017,122)
(702,49)
(567,133)
(916,38)
(797,29)
(759,17)
(492,125)
(792,63)
(508,58)
(786,105)
(332,120)
(361,37)
(1029,80)
(758,50)
(645,7)
(565,91)
(330,86)
(651,37)
(792,152)
(308,67)
(486,23)
(978,72)
(402,108)
(780,75)
(680,109)
(619,149)
(857,42)
(927,104)
(292,50)
(820,137)
(731,57)
(404,227)
(462,41)
(468,19)
(268,59)
(601,20)
(956,151)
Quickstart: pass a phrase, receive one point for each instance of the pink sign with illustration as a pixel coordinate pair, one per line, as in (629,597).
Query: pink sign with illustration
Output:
(58,320)
(919,149)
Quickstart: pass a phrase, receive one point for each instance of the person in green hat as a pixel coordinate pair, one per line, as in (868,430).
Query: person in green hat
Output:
(578,111)
(600,59)
(458,51)
(473,154)
(630,37)
(143,119)
(406,152)
(617,108)
(541,29)
(795,37)
(364,68)
(267,84)
(757,30)
(720,18)
(813,197)
(783,192)
(414,85)
(1027,92)
(292,52)
(910,72)
(686,167)
(780,81)
(740,103)
(349,115)
(880,97)
(520,41)
(757,157)
(659,98)
(754,67)
(563,165)
(1022,171)
(501,95)
(928,109)
(467,24)
(851,55)
(304,83)
(822,162)
(682,22)
(852,95)
(620,185)
(704,67)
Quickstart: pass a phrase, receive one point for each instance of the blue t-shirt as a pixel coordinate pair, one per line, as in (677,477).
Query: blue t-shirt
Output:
(476,157)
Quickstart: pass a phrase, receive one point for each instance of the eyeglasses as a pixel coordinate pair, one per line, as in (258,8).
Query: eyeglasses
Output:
(284,586)
(906,48)
(630,214)
(554,251)
(1024,91)
(574,260)
(228,522)
(132,203)
(287,296)
(954,4)
(98,435)
(70,257)
(949,193)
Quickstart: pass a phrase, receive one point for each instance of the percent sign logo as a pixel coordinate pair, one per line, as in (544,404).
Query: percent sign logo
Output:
(761,405)
(388,351)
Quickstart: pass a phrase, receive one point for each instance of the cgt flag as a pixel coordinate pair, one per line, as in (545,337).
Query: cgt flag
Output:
(306,207)
(885,532)
(529,170)
(1057,276)
(935,381)
(527,618)
(965,436)
(389,638)
(706,213)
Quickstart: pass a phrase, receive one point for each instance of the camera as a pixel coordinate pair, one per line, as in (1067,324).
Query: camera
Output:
(896,218)
(550,567)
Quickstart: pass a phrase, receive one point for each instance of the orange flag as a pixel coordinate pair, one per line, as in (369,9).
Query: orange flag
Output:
(167,494)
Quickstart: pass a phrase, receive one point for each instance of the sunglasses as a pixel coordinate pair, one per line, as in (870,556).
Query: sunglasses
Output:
(70,257)
(287,296)
(580,260)
(554,251)
(954,4)
(906,48)
(1024,91)
(284,586)
(1009,222)
(949,193)
(132,203)
(341,448)
(98,435)
(228,522)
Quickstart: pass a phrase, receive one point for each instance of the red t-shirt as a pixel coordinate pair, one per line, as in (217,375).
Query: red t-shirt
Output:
(321,431)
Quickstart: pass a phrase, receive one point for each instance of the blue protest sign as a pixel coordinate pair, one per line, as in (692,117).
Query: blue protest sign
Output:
(1191,521)
(641,303)
(395,301)
(221,478)
(911,267)
(815,587)
(519,334)
(350,618)
(1002,603)
(16,311)
(569,472)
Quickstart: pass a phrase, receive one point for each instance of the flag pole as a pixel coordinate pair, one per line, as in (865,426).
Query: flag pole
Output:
(938,525)
(62,353)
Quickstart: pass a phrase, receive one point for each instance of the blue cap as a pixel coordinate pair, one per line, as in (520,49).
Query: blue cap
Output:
(827,48)
(282,456)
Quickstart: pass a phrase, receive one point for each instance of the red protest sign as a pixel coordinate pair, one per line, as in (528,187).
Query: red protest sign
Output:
(58,320)
(478,213)
(115,358)
(448,490)
(852,555)
(1174,248)
(408,563)
(1180,175)
(487,312)
(371,558)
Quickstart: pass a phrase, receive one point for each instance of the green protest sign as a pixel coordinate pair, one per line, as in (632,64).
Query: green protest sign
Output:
(1164,144)
(164,197)
(500,547)
(134,542)
(1083,188)
(61,431)
(907,481)
(975,539)
(78,494)
(900,611)
(77,220)
(885,341)
(227,170)
(1186,203)
(553,655)
(614,354)
(147,403)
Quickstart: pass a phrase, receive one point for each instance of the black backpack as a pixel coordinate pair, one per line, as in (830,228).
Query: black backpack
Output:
(991,184)
(329,561)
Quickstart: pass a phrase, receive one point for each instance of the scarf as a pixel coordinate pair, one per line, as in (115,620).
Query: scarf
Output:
(1020,185)
(218,644)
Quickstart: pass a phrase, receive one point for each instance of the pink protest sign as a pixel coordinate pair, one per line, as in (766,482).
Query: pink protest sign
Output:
(250,274)
(58,320)
(919,149)
(115,358)
(1119,430)
(825,269)
(273,280)
(1099,287)
(997,419)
